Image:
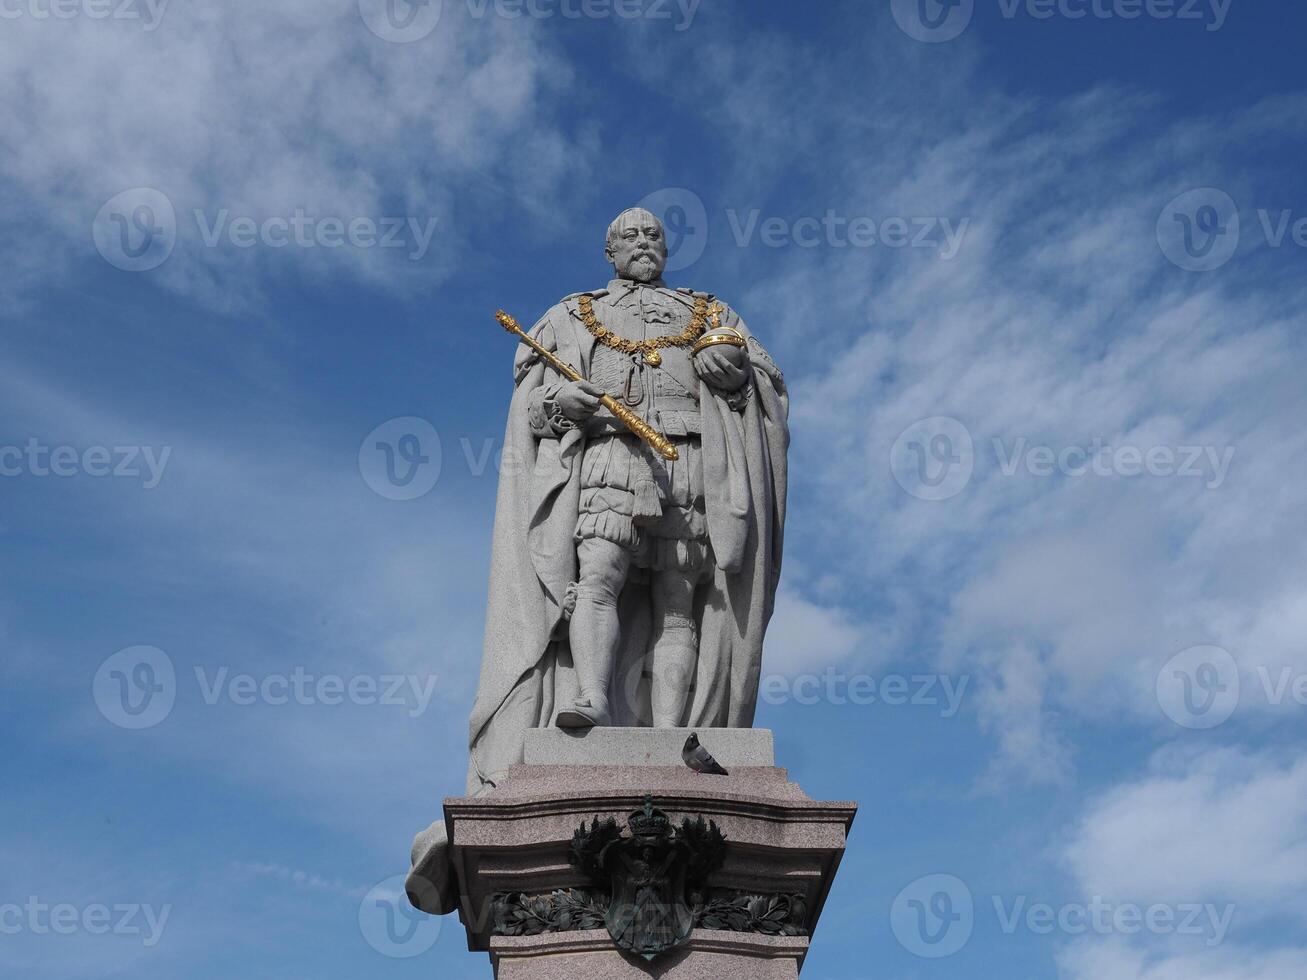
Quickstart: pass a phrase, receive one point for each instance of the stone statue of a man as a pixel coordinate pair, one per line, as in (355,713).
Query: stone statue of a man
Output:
(627,589)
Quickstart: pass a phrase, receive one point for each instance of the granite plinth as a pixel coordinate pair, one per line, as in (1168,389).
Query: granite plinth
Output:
(516,840)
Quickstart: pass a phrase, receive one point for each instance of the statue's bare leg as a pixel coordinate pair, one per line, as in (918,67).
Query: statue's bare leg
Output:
(675,650)
(595,631)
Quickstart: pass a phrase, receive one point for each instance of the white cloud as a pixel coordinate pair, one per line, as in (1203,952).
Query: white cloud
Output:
(1060,322)
(1118,961)
(1219,825)
(1220,828)
(260,109)
(804,636)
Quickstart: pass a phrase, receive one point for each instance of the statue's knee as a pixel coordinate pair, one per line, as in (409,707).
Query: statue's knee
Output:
(675,600)
(602,573)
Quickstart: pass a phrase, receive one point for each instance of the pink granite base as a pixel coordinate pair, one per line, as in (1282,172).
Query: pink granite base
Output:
(709,955)
(516,840)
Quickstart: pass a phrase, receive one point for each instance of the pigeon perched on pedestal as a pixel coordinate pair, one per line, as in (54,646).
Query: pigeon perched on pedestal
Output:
(700,759)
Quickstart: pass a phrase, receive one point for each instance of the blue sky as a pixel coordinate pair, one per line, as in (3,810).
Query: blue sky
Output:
(1036,282)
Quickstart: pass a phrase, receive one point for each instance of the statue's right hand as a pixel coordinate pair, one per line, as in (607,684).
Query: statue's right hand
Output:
(578,400)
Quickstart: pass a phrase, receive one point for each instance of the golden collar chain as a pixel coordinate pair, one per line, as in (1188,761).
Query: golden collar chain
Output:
(648,349)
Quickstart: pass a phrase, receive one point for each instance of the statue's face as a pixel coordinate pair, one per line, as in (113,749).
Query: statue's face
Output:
(638,249)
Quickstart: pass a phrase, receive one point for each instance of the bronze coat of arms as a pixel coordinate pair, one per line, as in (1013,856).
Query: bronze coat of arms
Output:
(649,870)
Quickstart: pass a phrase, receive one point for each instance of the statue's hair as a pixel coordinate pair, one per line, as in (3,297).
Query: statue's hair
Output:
(616,224)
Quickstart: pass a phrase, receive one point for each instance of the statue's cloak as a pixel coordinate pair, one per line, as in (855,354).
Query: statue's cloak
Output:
(526,671)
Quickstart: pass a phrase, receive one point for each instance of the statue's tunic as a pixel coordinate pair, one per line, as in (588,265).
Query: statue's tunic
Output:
(717,512)
(629,494)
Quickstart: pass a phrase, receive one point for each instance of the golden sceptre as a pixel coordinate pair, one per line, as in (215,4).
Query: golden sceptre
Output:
(655,439)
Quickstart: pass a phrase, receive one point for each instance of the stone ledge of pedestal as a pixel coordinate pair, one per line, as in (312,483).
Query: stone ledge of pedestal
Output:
(517,839)
(708,953)
(743,747)
(757,806)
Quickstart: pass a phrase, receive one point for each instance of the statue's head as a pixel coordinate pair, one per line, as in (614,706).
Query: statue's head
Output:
(636,246)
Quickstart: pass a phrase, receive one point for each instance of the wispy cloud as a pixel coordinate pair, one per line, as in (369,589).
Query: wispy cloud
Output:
(250,111)
(1059,327)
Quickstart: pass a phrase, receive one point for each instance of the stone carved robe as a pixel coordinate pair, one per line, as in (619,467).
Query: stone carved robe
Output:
(526,672)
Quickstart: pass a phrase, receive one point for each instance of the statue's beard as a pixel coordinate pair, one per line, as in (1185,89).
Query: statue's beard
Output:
(644,267)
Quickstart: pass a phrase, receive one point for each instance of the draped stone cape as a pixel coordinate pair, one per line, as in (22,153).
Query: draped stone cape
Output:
(526,672)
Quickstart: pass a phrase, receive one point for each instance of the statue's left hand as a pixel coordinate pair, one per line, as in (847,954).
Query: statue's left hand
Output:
(722,366)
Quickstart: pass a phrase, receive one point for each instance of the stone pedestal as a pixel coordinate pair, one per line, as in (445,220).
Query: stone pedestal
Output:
(510,850)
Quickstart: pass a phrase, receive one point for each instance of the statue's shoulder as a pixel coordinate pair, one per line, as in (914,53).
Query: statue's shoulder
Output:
(570,300)
(694,294)
(569,307)
(692,297)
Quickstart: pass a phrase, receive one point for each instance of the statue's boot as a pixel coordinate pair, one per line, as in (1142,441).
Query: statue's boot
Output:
(585,713)
(672,663)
